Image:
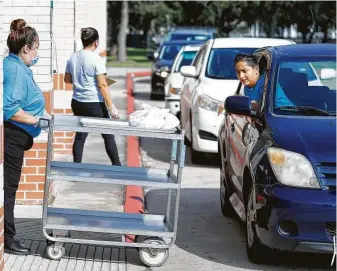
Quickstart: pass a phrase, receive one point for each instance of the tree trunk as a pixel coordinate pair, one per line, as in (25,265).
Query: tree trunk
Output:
(273,26)
(122,32)
(325,31)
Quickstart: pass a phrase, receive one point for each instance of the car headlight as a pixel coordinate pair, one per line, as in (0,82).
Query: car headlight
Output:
(163,74)
(292,169)
(174,91)
(208,103)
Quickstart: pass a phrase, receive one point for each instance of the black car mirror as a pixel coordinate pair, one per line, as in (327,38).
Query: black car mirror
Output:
(150,56)
(239,105)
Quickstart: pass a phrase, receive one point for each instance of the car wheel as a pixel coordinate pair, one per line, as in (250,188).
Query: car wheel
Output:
(157,97)
(226,205)
(196,157)
(256,251)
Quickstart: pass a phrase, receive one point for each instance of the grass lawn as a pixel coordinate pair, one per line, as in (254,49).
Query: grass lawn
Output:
(136,57)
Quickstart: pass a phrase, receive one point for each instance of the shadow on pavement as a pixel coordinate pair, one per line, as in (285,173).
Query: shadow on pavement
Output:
(204,232)
(30,232)
(163,153)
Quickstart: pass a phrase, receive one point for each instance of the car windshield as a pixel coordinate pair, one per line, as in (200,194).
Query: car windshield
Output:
(185,59)
(201,37)
(221,62)
(169,52)
(305,87)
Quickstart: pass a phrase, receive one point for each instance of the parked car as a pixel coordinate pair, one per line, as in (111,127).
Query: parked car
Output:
(213,78)
(278,164)
(162,65)
(191,33)
(174,80)
(200,34)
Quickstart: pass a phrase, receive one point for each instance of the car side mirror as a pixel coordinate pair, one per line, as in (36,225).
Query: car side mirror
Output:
(150,56)
(238,105)
(188,71)
(328,73)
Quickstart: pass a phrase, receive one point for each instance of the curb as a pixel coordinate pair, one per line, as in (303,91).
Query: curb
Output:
(134,195)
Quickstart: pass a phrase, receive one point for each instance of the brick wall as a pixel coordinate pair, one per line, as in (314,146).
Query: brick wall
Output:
(2,262)
(37,14)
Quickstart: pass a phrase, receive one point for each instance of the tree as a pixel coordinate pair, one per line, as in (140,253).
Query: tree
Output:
(114,15)
(122,31)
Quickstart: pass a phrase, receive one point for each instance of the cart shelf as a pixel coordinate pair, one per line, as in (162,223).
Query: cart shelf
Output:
(107,222)
(94,173)
(109,126)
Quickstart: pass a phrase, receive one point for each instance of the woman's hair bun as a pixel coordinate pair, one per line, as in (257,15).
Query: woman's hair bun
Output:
(17,24)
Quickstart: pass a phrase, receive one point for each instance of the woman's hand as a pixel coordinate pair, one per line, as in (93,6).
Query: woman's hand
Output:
(254,105)
(113,112)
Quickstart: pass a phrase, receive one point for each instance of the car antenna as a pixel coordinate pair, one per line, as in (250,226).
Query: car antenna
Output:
(314,23)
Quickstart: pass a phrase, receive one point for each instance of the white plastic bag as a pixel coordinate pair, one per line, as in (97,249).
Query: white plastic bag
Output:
(153,118)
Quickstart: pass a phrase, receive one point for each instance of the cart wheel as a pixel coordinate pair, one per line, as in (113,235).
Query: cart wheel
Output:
(50,243)
(153,257)
(53,254)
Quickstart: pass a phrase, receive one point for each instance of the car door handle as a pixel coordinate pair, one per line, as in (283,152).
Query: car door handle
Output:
(233,127)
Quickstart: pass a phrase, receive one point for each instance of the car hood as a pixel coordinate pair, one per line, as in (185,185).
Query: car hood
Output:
(315,138)
(219,89)
(164,62)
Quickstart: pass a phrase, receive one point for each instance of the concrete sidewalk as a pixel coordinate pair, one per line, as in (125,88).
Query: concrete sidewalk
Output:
(82,196)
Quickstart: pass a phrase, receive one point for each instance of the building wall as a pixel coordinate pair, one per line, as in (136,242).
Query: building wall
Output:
(36,13)
(59,33)
(1,146)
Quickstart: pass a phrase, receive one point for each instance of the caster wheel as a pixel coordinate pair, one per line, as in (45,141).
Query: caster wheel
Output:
(50,243)
(53,254)
(153,257)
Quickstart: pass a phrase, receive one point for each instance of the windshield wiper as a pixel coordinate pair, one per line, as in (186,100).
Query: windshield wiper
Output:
(308,110)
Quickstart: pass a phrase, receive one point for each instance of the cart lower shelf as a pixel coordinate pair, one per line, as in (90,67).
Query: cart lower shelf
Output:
(107,222)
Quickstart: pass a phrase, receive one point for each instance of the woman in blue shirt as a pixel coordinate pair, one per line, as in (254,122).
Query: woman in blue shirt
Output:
(248,72)
(23,106)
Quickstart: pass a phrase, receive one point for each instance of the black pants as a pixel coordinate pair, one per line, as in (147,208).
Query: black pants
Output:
(97,110)
(16,142)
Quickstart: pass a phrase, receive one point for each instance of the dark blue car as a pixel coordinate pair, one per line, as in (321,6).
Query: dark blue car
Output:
(278,163)
(163,63)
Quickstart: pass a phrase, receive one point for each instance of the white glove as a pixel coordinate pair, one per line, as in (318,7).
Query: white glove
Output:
(113,112)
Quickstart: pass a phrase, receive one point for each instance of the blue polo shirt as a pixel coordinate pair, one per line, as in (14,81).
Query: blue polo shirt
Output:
(21,91)
(255,92)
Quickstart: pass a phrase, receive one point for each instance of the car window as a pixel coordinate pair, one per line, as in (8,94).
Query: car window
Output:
(295,87)
(303,67)
(221,62)
(185,59)
(169,52)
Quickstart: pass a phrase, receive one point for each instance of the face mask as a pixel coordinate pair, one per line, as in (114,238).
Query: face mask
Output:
(34,61)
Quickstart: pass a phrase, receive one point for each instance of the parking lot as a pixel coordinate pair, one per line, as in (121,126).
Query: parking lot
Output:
(205,239)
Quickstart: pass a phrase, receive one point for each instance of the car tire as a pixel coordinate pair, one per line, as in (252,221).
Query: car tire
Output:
(157,97)
(196,157)
(256,251)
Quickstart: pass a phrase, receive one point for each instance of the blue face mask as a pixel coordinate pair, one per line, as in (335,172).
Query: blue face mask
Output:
(34,61)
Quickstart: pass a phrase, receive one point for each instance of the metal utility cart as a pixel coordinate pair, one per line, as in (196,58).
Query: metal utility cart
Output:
(157,232)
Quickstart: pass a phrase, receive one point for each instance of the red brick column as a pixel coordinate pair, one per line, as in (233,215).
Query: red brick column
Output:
(63,141)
